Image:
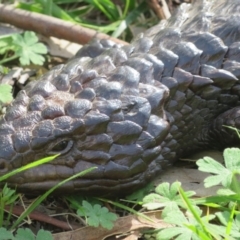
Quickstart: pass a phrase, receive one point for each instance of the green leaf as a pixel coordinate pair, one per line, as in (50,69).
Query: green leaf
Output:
(29,50)
(166,196)
(97,215)
(232,158)
(5,234)
(44,235)
(5,93)
(24,234)
(224,217)
(223,175)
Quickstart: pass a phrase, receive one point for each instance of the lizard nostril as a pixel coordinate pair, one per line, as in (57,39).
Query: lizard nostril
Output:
(3,165)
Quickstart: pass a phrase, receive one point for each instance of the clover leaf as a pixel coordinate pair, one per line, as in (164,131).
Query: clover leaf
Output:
(29,49)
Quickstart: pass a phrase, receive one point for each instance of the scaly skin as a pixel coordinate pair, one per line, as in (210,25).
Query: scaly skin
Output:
(132,110)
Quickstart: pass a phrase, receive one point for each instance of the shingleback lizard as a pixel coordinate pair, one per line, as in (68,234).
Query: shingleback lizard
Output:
(130,110)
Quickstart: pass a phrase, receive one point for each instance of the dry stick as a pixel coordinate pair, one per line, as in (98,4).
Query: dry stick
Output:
(50,26)
(161,9)
(35,215)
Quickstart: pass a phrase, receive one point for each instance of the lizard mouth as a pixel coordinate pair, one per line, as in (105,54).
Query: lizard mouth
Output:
(112,177)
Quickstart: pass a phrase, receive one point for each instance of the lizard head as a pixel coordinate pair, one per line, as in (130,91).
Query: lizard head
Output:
(93,112)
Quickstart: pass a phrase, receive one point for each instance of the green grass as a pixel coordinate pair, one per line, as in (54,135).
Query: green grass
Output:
(102,15)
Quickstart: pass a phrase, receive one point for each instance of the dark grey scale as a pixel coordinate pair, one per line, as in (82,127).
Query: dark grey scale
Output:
(199,18)
(121,151)
(183,78)
(127,161)
(92,51)
(117,55)
(158,65)
(128,77)
(213,49)
(21,141)
(76,86)
(169,60)
(96,122)
(236,90)
(86,76)
(167,37)
(221,77)
(61,82)
(55,71)
(228,99)
(72,68)
(15,112)
(36,103)
(177,116)
(158,128)
(189,94)
(142,44)
(151,153)
(22,98)
(136,109)
(102,64)
(27,121)
(86,93)
(6,128)
(228,31)
(54,111)
(100,141)
(42,134)
(186,110)
(97,157)
(155,95)
(124,132)
(128,49)
(44,88)
(171,106)
(144,66)
(199,83)
(171,83)
(106,43)
(43,129)
(77,108)
(146,140)
(116,170)
(211,104)
(7,148)
(96,82)
(191,60)
(233,53)
(63,122)
(233,67)
(180,98)
(109,90)
(108,107)
(137,167)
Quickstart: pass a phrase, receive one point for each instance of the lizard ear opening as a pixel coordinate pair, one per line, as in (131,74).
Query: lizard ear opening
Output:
(62,147)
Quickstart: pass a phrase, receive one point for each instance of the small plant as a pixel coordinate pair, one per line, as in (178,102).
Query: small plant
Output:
(5,94)
(184,212)
(25,47)
(9,196)
(25,234)
(94,213)
(112,17)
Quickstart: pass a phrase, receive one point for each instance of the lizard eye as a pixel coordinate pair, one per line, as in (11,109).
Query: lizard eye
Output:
(62,147)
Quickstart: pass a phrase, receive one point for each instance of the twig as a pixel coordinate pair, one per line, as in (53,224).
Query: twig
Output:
(35,215)
(50,26)
(160,8)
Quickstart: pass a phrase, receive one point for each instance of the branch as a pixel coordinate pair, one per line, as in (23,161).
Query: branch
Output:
(50,26)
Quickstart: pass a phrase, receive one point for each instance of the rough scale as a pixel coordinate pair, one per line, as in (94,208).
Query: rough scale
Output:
(132,110)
